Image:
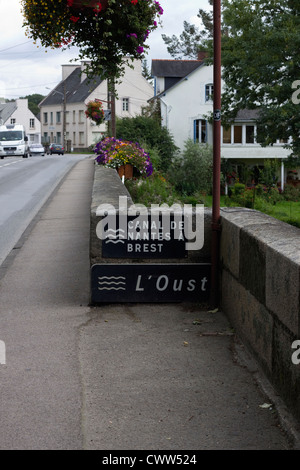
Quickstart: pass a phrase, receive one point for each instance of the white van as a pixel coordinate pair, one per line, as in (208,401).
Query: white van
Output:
(13,141)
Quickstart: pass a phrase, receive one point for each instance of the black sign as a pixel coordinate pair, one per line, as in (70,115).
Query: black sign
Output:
(150,283)
(217,115)
(145,237)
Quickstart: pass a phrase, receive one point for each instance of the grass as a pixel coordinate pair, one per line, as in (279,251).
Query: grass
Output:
(286,211)
(156,190)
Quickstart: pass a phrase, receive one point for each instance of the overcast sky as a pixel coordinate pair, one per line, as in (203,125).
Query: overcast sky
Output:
(26,68)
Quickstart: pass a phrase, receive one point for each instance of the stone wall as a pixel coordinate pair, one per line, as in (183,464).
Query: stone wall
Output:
(260,291)
(259,280)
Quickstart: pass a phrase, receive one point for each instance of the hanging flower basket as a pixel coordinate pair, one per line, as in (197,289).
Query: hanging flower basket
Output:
(109,33)
(95,111)
(99,5)
(124,156)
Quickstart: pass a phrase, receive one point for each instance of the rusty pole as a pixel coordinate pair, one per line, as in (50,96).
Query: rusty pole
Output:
(216,156)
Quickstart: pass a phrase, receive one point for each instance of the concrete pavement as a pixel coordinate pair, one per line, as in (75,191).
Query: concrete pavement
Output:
(117,377)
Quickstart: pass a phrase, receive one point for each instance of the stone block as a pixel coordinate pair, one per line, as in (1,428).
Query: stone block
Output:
(283,286)
(285,374)
(230,246)
(251,320)
(252,269)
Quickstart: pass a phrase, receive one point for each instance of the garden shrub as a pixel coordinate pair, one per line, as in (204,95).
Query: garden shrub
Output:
(291,193)
(152,190)
(193,170)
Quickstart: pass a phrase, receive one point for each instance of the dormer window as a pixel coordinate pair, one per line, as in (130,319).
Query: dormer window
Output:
(209,92)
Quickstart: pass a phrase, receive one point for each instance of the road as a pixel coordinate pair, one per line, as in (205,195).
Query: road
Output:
(25,185)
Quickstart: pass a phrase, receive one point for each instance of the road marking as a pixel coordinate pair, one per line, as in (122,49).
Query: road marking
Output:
(10,163)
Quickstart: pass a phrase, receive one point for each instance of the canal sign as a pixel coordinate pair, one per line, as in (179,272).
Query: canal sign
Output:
(118,283)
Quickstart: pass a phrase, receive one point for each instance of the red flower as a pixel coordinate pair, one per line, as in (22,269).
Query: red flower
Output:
(134,1)
(98,8)
(74,18)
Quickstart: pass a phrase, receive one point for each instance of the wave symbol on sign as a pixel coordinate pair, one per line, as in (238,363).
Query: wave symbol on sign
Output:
(112,283)
(115,236)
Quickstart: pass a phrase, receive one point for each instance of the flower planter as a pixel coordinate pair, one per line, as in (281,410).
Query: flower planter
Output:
(126,170)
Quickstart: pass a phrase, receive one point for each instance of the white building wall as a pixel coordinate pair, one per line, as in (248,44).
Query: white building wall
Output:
(133,88)
(184,103)
(22,115)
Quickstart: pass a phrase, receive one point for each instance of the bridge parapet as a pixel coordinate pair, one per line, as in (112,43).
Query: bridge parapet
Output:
(260,286)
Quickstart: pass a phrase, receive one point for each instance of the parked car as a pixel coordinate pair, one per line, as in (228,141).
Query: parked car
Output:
(56,148)
(36,149)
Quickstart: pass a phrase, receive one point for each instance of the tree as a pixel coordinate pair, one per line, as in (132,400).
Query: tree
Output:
(261,63)
(192,39)
(146,72)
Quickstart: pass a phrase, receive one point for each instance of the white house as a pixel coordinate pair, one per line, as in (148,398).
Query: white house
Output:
(68,102)
(17,112)
(185,91)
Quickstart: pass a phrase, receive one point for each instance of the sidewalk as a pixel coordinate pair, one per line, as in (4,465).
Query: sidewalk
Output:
(128,377)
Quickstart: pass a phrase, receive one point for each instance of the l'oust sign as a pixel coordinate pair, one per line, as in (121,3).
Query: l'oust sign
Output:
(150,283)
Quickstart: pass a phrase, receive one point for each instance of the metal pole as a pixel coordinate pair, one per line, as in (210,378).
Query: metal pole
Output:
(216,155)
(112,106)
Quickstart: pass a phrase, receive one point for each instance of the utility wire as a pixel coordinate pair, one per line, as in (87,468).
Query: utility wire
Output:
(17,45)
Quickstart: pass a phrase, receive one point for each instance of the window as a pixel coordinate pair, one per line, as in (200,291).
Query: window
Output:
(81,138)
(74,117)
(58,139)
(209,92)
(125,104)
(45,118)
(58,117)
(227,136)
(81,120)
(74,136)
(238,135)
(13,121)
(31,123)
(51,117)
(200,131)
(249,134)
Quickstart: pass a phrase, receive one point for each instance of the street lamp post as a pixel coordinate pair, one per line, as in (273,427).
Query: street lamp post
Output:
(64,105)
(216,227)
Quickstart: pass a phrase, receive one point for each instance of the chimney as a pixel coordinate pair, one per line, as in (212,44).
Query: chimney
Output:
(67,70)
(202,55)
(83,66)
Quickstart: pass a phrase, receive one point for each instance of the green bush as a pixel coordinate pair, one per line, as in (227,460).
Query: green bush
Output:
(291,193)
(152,134)
(192,171)
(152,190)
(273,196)
(238,189)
